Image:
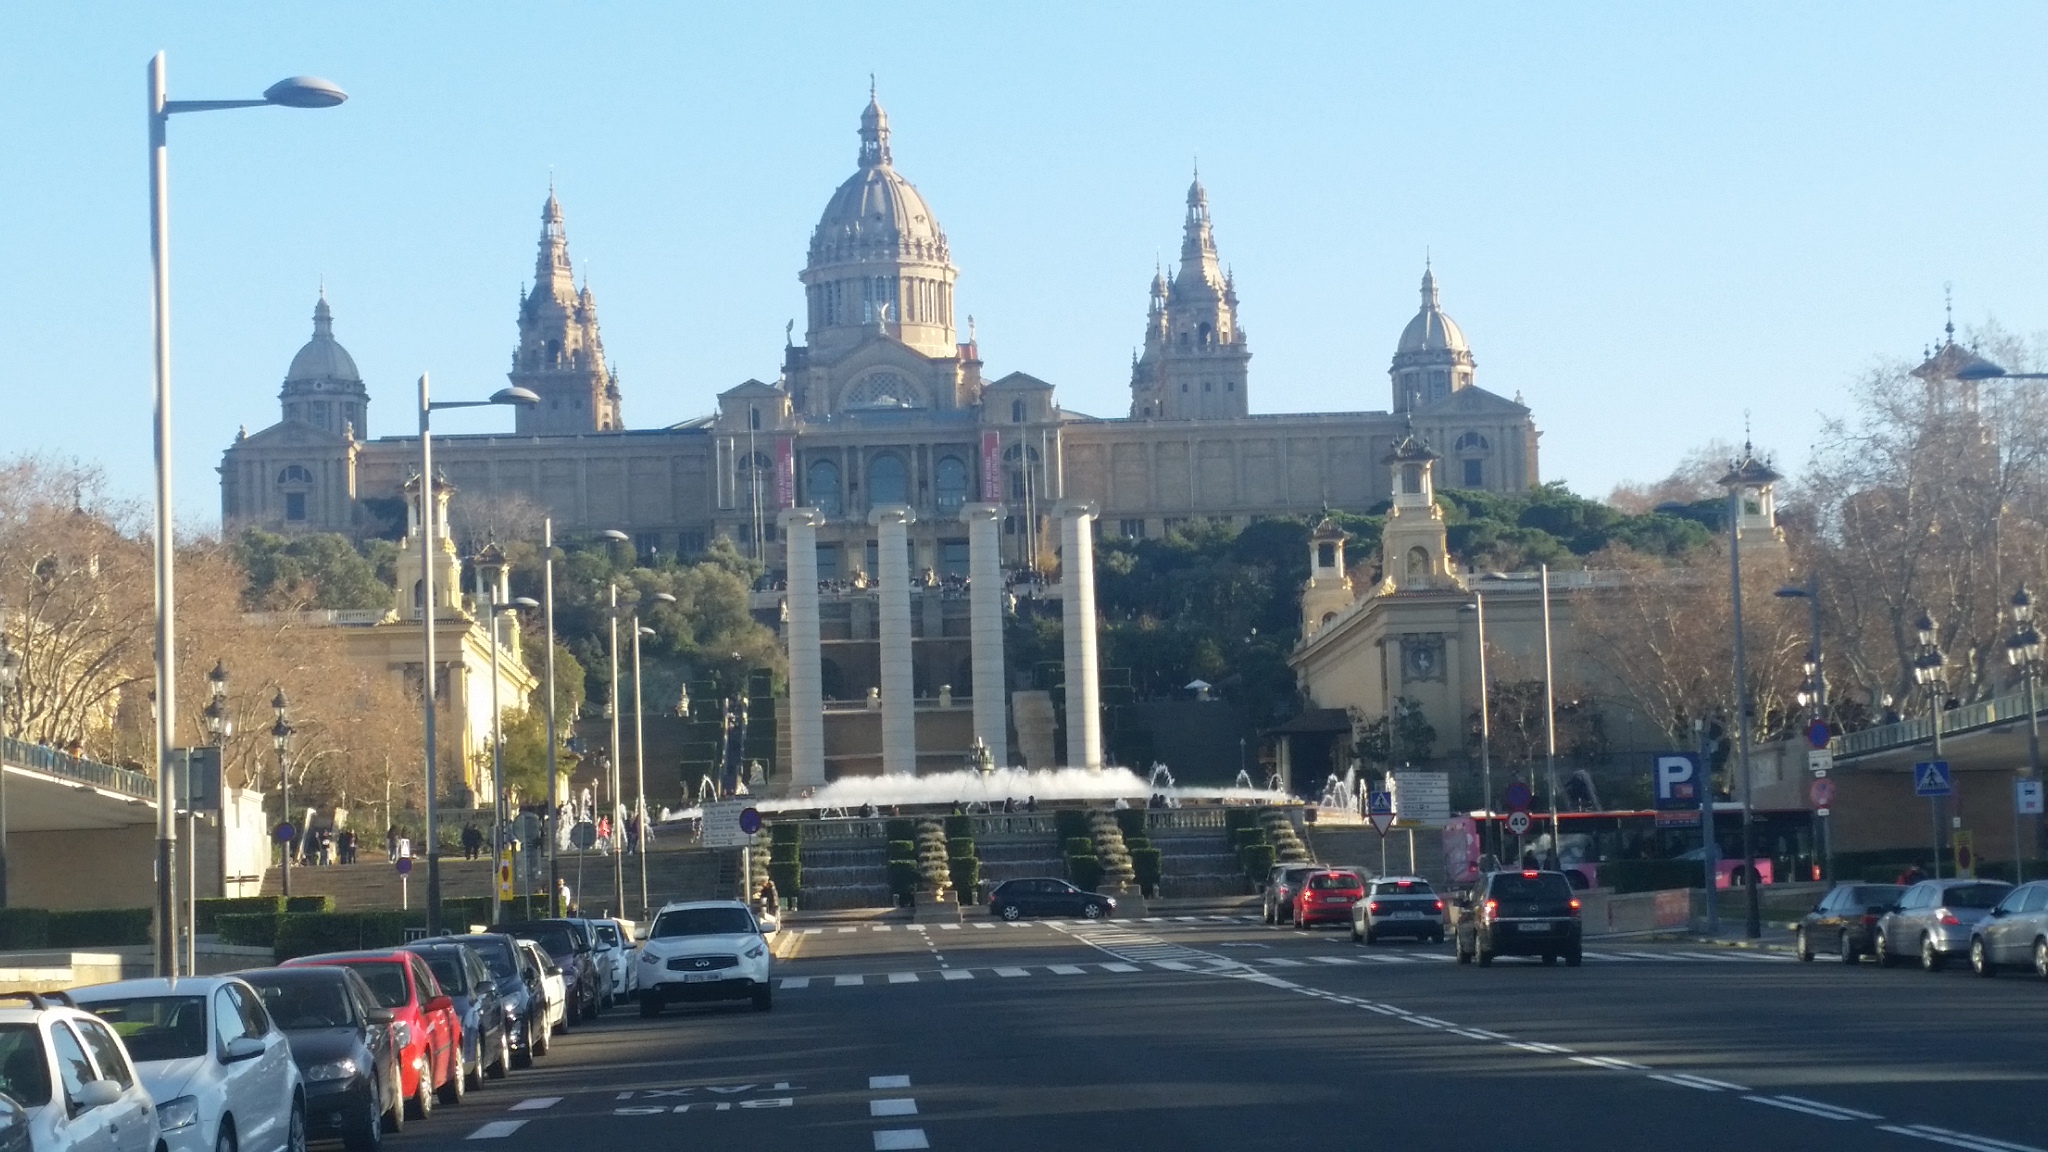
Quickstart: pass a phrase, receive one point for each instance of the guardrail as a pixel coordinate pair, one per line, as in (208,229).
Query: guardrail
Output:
(1919,729)
(41,758)
(1173,819)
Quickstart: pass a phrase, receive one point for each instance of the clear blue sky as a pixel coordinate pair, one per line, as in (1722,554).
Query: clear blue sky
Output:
(1647,218)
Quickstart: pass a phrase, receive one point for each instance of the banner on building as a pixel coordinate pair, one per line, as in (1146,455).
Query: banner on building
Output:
(785,473)
(992,467)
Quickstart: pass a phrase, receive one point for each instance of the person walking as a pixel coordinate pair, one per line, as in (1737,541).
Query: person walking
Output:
(771,901)
(472,842)
(391,842)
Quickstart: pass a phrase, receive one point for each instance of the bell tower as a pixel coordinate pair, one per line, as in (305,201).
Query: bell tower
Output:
(560,355)
(415,552)
(1196,362)
(1413,550)
(1328,590)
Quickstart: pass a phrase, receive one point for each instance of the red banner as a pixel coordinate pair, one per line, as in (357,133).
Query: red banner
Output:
(785,473)
(992,467)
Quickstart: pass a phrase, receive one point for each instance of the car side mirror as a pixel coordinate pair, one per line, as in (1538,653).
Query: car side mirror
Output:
(241,1048)
(98,1093)
(380,1016)
(2000,911)
(486,987)
(440,1004)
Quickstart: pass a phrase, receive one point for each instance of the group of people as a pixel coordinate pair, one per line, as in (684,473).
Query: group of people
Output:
(325,847)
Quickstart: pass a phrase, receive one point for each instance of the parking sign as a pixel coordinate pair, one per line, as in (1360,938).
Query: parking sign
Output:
(2027,797)
(1677,775)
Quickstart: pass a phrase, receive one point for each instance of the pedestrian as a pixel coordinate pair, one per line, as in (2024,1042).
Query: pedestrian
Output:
(1529,860)
(771,903)
(1031,803)
(633,833)
(562,897)
(348,846)
(472,842)
(1912,875)
(391,842)
(326,848)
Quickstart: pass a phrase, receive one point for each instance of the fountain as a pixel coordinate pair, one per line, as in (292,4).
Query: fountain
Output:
(1162,777)
(1244,779)
(1341,792)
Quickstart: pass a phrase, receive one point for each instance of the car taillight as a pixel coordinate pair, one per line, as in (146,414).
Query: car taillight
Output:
(1439,905)
(1492,906)
(1575,906)
(1529,875)
(1949,918)
(1373,907)
(1869,920)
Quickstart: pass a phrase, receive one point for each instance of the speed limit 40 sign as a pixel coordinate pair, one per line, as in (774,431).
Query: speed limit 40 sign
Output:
(1518,822)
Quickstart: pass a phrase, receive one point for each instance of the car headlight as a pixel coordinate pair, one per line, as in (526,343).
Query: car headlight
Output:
(332,1070)
(756,952)
(647,958)
(401,1034)
(180,1113)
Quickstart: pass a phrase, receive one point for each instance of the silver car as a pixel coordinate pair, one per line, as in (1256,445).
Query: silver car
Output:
(1398,906)
(2015,934)
(1933,920)
(1281,885)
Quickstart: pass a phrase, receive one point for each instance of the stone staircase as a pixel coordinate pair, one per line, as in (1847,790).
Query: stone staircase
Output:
(1197,862)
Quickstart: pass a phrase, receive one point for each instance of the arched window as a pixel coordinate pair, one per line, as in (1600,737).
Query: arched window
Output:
(1471,442)
(950,480)
(821,487)
(295,474)
(888,483)
(1204,334)
(1326,555)
(1418,562)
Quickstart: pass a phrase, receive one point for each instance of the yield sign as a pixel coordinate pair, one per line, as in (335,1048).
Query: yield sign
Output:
(1381,821)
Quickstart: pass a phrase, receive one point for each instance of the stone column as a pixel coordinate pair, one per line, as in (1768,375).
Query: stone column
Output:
(806,678)
(985,629)
(899,684)
(1077,608)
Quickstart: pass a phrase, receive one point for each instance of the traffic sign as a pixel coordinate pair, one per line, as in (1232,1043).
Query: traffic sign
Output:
(1381,821)
(1818,734)
(1518,822)
(722,826)
(1821,792)
(2027,797)
(1379,803)
(750,820)
(1820,761)
(1519,797)
(1422,797)
(1677,775)
(583,835)
(1931,778)
(284,833)
(505,874)
(404,865)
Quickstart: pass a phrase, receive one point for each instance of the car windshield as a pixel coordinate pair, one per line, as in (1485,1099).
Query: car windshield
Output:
(449,971)
(386,981)
(1402,888)
(24,1074)
(607,935)
(1333,880)
(157,1027)
(1530,886)
(300,1004)
(499,961)
(702,922)
(1974,895)
(556,938)
(1875,895)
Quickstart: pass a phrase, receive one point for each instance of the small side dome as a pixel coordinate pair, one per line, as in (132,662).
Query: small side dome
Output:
(323,358)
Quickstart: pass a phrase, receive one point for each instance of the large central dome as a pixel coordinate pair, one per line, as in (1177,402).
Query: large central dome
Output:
(878,258)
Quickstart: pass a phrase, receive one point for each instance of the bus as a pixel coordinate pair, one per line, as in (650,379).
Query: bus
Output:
(1786,841)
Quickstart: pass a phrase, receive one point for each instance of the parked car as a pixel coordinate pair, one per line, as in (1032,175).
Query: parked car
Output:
(1035,896)
(520,993)
(1398,906)
(428,1035)
(2015,933)
(615,941)
(554,991)
(1281,884)
(610,955)
(486,1040)
(568,941)
(1934,920)
(1326,898)
(1523,913)
(70,1084)
(220,1071)
(705,950)
(341,1040)
(1846,919)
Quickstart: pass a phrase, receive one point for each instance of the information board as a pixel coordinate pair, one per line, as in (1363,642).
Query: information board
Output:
(722,824)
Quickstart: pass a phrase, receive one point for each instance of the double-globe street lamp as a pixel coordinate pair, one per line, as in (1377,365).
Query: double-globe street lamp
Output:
(1930,671)
(219,726)
(2023,651)
(640,749)
(281,736)
(1813,692)
(295,92)
(490,568)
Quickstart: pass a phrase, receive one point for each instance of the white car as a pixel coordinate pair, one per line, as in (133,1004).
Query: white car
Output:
(73,1079)
(220,1071)
(552,985)
(614,959)
(705,950)
(629,954)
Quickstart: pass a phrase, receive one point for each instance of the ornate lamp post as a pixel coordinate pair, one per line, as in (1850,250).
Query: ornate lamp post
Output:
(640,749)
(281,735)
(1930,671)
(219,726)
(2024,651)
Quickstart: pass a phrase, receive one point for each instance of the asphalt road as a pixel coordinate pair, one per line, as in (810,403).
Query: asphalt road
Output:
(1227,1034)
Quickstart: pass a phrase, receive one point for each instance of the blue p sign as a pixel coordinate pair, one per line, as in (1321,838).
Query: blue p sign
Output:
(1677,777)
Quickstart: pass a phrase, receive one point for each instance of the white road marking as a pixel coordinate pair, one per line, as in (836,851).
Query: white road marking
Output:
(1065,969)
(1012,972)
(984,925)
(1610,1062)
(901,1106)
(957,974)
(812,931)
(1831,1107)
(1333,959)
(1688,1080)
(1119,967)
(1957,1139)
(1824,1112)
(1278,962)
(876,1083)
(846,981)
(535,1104)
(902,977)
(956,927)
(883,928)
(1175,965)
(895,1138)
(497,1129)
(796,981)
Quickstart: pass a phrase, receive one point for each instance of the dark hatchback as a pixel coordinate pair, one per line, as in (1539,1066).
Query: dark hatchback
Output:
(519,991)
(568,943)
(1044,896)
(1523,913)
(341,1041)
(1845,920)
(486,1041)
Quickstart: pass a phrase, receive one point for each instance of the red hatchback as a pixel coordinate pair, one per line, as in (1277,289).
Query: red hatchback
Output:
(426,1032)
(1327,897)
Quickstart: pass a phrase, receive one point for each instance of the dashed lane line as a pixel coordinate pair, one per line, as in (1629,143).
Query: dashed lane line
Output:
(899,1106)
(535,1104)
(497,1130)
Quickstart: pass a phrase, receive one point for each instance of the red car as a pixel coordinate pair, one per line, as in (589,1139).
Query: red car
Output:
(1327,897)
(426,1033)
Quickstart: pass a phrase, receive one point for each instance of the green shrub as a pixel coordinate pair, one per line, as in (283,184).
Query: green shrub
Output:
(100,927)
(1652,875)
(1079,846)
(785,833)
(1235,818)
(309,904)
(960,847)
(1069,823)
(22,929)
(784,853)
(1248,837)
(459,912)
(788,876)
(1132,821)
(1085,871)
(958,826)
(904,849)
(899,829)
(903,878)
(247,929)
(205,910)
(966,876)
(308,933)
(1257,860)
(1136,842)
(1145,862)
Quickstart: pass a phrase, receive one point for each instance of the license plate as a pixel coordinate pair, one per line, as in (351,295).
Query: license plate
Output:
(1534,927)
(701,977)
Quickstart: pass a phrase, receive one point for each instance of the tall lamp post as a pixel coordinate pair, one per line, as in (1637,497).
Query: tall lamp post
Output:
(1478,606)
(10,679)
(615,536)
(430,543)
(551,822)
(296,92)
(281,735)
(1813,693)
(1930,671)
(640,749)
(219,726)
(2024,651)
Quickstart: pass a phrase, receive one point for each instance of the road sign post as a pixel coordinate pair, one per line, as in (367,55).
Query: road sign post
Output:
(1931,779)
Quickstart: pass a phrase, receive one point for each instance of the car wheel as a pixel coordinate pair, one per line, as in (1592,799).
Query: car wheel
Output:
(1980,960)
(366,1132)
(764,997)
(522,1057)
(1573,958)
(455,1087)
(502,1066)
(1801,946)
(225,1142)
(1268,914)
(547,1036)
(1010,912)
(394,1106)
(475,1077)
(422,1105)
(1356,935)
(1931,958)
(1485,959)
(2041,959)
(295,1135)
(1088,912)
(650,1005)
(1881,949)
(1846,949)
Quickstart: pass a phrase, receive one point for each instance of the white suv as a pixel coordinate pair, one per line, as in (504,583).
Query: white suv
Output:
(704,950)
(73,1078)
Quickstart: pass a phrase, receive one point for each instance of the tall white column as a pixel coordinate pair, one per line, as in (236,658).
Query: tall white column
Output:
(985,629)
(899,685)
(806,678)
(1077,609)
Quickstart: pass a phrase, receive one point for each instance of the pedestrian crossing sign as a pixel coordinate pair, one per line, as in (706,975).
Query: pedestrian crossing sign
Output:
(1931,778)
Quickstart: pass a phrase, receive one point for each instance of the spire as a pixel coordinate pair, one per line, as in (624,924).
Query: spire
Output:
(1429,293)
(323,317)
(1198,241)
(874,131)
(551,268)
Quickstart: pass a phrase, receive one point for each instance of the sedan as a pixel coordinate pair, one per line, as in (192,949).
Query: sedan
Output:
(519,992)
(1044,896)
(341,1041)
(1326,898)
(1398,906)
(554,992)
(427,1034)
(1281,884)
(1845,920)
(67,1083)
(2015,934)
(486,1036)
(1934,920)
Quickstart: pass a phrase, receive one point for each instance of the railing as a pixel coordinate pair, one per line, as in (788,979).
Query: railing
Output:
(1920,729)
(1016,824)
(52,762)
(1175,819)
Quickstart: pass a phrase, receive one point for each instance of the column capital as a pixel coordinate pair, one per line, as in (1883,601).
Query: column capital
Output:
(892,514)
(1075,509)
(972,512)
(801,517)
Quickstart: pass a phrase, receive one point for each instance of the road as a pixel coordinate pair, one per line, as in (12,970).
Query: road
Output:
(1222,1033)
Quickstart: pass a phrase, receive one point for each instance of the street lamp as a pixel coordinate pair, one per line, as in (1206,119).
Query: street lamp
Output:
(551,821)
(615,536)
(1478,607)
(10,679)
(281,735)
(1813,691)
(219,726)
(640,748)
(430,541)
(490,567)
(295,92)
(1930,671)
(2023,650)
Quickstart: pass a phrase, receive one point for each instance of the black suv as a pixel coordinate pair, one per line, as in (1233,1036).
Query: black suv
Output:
(569,944)
(1523,913)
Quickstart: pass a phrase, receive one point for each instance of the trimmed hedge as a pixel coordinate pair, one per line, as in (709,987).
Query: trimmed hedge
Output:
(1235,818)
(1136,842)
(966,875)
(900,849)
(1078,846)
(899,828)
(247,929)
(784,852)
(960,847)
(1085,871)
(24,928)
(788,876)
(309,904)
(1257,860)
(1248,838)
(459,912)
(1070,823)
(1145,862)
(100,927)
(206,910)
(1132,821)
(903,878)
(785,833)
(306,933)
(1652,875)
(959,826)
